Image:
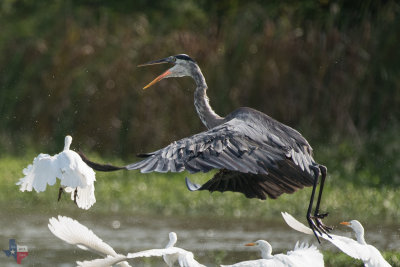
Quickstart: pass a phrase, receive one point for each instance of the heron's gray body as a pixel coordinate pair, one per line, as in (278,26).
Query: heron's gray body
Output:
(249,148)
(256,155)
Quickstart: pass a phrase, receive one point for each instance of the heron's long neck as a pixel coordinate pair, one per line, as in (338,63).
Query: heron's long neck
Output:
(207,115)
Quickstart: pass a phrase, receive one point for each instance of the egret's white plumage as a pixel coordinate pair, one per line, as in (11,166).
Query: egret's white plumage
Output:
(74,233)
(74,174)
(357,249)
(170,254)
(303,255)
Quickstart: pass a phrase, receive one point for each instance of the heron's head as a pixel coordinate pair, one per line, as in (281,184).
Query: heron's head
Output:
(183,66)
(355,225)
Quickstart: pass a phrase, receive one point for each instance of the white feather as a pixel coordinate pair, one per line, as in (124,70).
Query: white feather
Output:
(66,166)
(74,233)
(170,254)
(303,255)
(367,253)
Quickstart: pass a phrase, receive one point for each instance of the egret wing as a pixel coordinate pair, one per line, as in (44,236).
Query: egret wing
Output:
(305,255)
(75,172)
(376,258)
(106,262)
(345,244)
(295,224)
(158,252)
(187,260)
(42,172)
(85,196)
(74,233)
(259,263)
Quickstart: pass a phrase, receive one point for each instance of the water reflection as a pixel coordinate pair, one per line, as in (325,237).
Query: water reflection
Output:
(211,240)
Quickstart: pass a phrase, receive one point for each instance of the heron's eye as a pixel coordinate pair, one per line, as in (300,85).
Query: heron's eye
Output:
(173,59)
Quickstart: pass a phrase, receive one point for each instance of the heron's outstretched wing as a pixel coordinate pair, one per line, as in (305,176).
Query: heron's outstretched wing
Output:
(251,161)
(226,146)
(261,157)
(285,179)
(235,145)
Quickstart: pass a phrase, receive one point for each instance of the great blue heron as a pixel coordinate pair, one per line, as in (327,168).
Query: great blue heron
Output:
(302,255)
(255,154)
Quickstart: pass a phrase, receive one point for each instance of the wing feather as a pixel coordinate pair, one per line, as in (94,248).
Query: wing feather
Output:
(234,145)
(263,156)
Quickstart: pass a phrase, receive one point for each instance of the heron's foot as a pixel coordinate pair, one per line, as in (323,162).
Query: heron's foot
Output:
(314,227)
(75,196)
(321,215)
(320,225)
(60,191)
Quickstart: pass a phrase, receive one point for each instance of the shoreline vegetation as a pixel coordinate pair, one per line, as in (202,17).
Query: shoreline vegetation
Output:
(166,194)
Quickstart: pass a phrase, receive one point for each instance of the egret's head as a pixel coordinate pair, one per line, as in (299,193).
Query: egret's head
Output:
(355,225)
(173,237)
(183,65)
(261,244)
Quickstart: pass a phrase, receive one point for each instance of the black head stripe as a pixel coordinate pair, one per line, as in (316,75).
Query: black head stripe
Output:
(184,57)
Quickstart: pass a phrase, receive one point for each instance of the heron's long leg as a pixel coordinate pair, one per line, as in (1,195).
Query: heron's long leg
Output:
(321,187)
(60,191)
(317,215)
(313,226)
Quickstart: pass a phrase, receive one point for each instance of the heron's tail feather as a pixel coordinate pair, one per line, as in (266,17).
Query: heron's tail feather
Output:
(100,167)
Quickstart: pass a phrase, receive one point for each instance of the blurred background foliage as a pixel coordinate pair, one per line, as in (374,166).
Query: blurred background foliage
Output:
(330,69)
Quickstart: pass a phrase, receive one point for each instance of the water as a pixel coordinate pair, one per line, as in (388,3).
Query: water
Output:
(212,240)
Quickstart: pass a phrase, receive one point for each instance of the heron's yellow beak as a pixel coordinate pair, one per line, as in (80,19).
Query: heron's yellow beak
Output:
(250,244)
(156,80)
(345,223)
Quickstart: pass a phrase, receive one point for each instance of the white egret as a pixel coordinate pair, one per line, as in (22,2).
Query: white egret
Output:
(74,174)
(170,254)
(302,255)
(74,233)
(356,249)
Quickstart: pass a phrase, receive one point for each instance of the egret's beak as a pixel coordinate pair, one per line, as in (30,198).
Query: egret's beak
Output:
(345,223)
(250,244)
(155,62)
